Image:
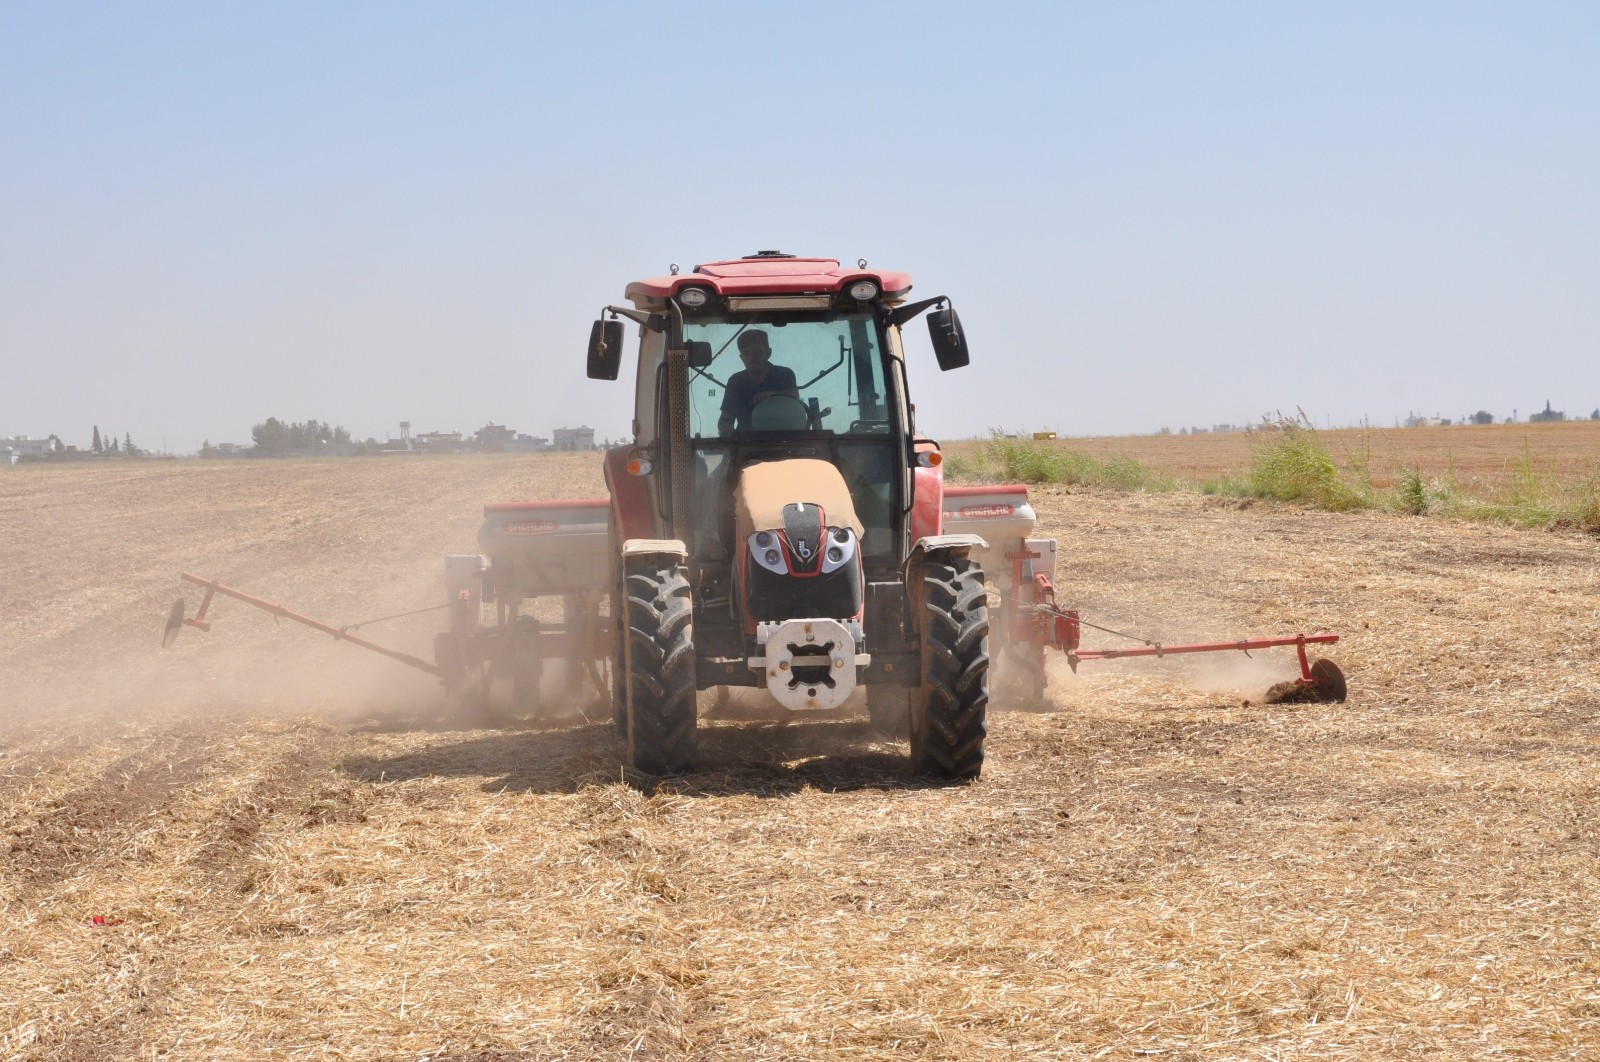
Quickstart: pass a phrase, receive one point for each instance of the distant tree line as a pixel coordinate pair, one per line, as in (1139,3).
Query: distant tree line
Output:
(107,445)
(274,438)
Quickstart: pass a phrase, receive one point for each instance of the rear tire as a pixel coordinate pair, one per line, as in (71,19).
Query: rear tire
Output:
(949,710)
(660,666)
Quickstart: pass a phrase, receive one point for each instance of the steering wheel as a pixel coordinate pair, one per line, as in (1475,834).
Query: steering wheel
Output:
(780,413)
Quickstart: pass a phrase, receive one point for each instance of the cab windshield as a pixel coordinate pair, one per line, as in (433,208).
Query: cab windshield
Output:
(817,374)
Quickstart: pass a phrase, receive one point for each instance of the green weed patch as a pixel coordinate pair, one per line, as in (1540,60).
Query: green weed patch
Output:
(1291,464)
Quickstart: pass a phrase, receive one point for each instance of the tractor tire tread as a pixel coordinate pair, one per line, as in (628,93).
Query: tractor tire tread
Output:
(950,714)
(661,723)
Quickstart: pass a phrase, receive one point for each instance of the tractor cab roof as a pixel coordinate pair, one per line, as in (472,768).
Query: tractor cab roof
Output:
(766,273)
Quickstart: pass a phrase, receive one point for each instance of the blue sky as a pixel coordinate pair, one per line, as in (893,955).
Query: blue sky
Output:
(1147,214)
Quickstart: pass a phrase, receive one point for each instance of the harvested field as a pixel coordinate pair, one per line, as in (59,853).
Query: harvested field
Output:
(1488,460)
(296,854)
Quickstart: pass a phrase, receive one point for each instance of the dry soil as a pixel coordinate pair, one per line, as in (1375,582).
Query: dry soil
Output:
(263,844)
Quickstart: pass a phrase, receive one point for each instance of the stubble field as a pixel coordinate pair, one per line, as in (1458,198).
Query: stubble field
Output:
(296,852)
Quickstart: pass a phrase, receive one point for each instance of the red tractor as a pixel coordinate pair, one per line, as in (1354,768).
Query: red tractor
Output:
(776,521)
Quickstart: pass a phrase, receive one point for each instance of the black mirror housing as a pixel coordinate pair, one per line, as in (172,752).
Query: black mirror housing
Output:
(605,350)
(699,353)
(949,341)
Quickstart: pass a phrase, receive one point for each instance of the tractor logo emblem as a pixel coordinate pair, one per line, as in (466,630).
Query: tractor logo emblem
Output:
(801,548)
(982,510)
(530,527)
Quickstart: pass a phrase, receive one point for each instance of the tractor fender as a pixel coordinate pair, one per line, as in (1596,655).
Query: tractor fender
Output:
(927,499)
(932,547)
(630,495)
(665,547)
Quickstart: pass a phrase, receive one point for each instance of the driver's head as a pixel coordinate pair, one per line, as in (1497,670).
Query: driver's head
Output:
(753,349)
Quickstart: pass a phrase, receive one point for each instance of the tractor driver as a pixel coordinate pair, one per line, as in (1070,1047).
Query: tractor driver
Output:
(756,382)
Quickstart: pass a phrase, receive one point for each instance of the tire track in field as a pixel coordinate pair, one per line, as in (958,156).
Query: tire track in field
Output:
(28,762)
(230,786)
(86,825)
(299,789)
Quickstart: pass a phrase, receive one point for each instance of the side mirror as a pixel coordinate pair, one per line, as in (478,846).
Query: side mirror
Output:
(605,350)
(699,353)
(949,341)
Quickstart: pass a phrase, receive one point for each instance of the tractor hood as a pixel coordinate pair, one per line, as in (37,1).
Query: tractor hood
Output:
(765,488)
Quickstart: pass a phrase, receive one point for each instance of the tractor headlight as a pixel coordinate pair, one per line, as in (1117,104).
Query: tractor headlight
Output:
(693,298)
(765,552)
(841,551)
(863,291)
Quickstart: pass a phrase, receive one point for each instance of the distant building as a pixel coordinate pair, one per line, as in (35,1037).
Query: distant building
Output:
(1547,415)
(404,444)
(17,447)
(528,444)
(445,441)
(492,438)
(580,438)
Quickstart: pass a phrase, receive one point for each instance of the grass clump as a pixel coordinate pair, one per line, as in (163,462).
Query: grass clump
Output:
(1583,509)
(1294,466)
(1411,496)
(1022,460)
(1537,497)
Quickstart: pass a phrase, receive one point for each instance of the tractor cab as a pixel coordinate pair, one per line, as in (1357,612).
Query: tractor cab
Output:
(797,385)
(776,357)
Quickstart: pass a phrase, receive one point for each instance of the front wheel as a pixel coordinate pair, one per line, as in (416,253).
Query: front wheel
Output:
(949,710)
(660,666)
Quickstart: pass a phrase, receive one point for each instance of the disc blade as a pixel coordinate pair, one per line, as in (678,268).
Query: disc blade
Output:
(174,623)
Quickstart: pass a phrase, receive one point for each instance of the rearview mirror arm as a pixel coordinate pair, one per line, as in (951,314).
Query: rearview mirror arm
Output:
(653,321)
(901,314)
